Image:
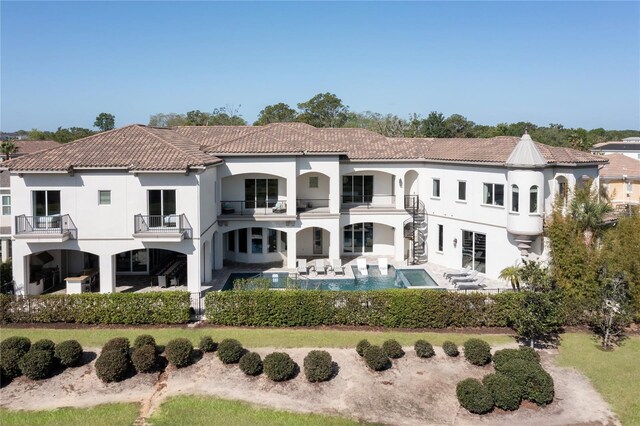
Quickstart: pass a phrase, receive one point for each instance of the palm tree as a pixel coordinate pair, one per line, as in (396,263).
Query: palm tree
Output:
(8,148)
(588,208)
(511,274)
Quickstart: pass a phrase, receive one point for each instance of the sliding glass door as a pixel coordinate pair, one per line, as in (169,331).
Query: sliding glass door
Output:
(474,251)
(46,203)
(260,193)
(357,189)
(358,238)
(161,203)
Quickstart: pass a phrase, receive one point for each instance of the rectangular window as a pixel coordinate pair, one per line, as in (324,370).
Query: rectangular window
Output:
(357,189)
(317,240)
(242,240)
(161,203)
(436,188)
(533,199)
(231,243)
(462,190)
(313,181)
(256,240)
(104,198)
(273,240)
(474,250)
(440,238)
(629,187)
(46,203)
(6,205)
(283,241)
(493,194)
(358,238)
(260,193)
(515,198)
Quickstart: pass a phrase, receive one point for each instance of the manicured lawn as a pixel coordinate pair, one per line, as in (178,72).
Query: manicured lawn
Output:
(198,410)
(249,337)
(616,374)
(111,414)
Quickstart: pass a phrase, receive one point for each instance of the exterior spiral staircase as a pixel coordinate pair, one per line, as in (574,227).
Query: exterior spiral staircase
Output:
(415,228)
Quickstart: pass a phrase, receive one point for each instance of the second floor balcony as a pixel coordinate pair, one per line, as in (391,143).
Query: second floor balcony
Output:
(258,210)
(162,228)
(53,228)
(375,202)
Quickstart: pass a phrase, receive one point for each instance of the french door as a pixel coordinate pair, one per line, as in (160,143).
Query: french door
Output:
(260,193)
(46,203)
(161,204)
(317,240)
(357,189)
(474,251)
(358,238)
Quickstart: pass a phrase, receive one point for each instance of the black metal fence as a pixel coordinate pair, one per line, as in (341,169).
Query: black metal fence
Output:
(197,306)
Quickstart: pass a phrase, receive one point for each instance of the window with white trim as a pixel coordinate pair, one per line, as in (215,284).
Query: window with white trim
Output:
(436,188)
(6,205)
(462,190)
(440,238)
(533,199)
(515,199)
(104,198)
(493,194)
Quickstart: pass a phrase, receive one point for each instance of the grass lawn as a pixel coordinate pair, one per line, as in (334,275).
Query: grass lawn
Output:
(110,414)
(249,337)
(616,374)
(198,410)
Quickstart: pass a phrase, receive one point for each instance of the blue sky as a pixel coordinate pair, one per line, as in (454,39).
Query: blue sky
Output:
(576,63)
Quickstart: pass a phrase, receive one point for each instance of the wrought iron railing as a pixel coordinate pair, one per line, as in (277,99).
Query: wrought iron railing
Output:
(252,208)
(51,225)
(375,200)
(158,224)
(311,204)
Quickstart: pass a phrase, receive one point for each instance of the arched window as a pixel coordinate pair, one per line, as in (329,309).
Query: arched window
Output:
(515,199)
(533,199)
(563,192)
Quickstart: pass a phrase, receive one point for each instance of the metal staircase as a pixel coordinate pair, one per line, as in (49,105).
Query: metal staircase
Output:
(415,228)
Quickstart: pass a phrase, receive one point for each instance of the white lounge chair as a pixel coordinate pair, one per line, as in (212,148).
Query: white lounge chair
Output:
(469,278)
(383,265)
(362,267)
(302,266)
(320,267)
(280,207)
(336,265)
(461,273)
(475,285)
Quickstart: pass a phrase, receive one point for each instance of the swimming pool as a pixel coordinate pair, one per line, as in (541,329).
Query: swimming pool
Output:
(396,278)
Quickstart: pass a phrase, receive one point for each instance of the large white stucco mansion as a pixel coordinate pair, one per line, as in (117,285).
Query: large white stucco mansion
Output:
(124,201)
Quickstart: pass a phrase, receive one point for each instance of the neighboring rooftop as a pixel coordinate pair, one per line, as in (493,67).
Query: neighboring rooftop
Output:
(621,166)
(138,147)
(626,144)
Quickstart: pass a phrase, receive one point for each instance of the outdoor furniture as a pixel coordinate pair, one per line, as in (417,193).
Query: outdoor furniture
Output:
(460,273)
(383,265)
(336,265)
(362,267)
(320,266)
(469,278)
(302,266)
(280,207)
(477,285)
(227,208)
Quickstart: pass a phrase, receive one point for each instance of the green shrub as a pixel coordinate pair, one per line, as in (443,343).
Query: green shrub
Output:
(179,352)
(361,346)
(477,351)
(424,349)
(37,364)
(473,396)
(278,366)
(519,370)
(9,362)
(251,364)
(19,343)
(376,359)
(450,348)
(539,388)
(230,351)
(117,344)
(44,345)
(392,349)
(144,339)
(207,344)
(505,392)
(112,365)
(529,354)
(68,353)
(168,307)
(144,358)
(503,356)
(318,366)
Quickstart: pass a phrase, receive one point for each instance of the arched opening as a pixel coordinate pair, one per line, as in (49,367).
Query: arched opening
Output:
(255,245)
(368,188)
(562,190)
(368,238)
(312,242)
(47,271)
(250,194)
(137,270)
(313,192)
(411,184)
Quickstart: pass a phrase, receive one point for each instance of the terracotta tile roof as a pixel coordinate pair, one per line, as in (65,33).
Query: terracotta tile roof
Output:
(29,147)
(132,147)
(139,147)
(619,165)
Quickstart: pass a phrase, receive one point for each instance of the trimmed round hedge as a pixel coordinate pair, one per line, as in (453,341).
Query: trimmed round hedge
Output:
(450,348)
(392,349)
(144,339)
(117,344)
(505,392)
(207,344)
(112,365)
(318,366)
(37,364)
(230,351)
(473,396)
(477,352)
(535,383)
(278,366)
(44,345)
(251,364)
(424,349)
(376,359)
(18,343)
(361,346)
(503,356)
(144,358)
(68,353)
(179,352)
(9,362)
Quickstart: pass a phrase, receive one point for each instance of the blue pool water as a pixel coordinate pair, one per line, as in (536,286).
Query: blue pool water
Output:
(396,278)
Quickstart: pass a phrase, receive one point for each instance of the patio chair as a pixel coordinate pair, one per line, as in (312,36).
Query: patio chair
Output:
(336,265)
(362,267)
(320,266)
(302,266)
(227,208)
(383,265)
(280,207)
(477,285)
(469,278)
(460,273)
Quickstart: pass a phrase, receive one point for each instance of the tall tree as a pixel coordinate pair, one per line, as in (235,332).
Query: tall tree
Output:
(105,121)
(434,126)
(277,113)
(323,110)
(167,120)
(7,148)
(459,127)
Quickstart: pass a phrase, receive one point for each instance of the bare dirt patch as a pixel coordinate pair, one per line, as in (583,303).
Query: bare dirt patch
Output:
(413,392)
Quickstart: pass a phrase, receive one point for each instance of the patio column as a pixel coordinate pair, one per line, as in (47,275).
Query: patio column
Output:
(5,250)
(398,243)
(292,248)
(107,273)
(291,193)
(334,242)
(193,272)
(219,249)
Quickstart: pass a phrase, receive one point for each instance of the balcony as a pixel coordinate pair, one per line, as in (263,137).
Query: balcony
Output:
(377,203)
(312,206)
(254,210)
(50,229)
(162,228)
